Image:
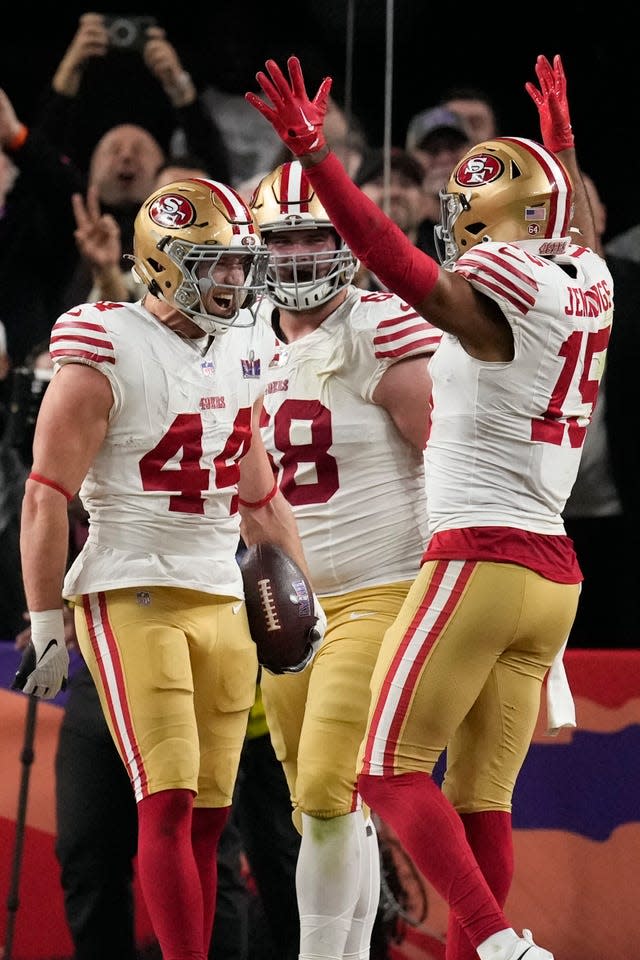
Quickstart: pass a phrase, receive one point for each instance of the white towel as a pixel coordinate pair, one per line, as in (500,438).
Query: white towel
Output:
(561,710)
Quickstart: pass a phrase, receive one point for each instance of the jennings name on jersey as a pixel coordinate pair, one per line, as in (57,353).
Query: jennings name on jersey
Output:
(355,484)
(506,438)
(161,493)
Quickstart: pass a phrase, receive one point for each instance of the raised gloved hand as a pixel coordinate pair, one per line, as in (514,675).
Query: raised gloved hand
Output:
(297,120)
(553,106)
(44,667)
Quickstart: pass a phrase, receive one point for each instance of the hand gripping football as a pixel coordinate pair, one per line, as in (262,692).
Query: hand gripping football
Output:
(280,608)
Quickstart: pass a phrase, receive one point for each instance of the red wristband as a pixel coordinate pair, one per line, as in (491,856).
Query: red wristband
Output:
(256,504)
(38,478)
(18,139)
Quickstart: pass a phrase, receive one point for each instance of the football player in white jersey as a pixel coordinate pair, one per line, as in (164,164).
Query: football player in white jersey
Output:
(345,422)
(526,309)
(149,415)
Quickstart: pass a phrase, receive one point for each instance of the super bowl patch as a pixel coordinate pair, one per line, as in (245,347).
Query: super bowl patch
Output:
(251,367)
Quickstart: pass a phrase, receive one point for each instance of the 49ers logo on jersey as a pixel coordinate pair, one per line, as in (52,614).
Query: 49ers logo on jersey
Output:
(172,211)
(478,170)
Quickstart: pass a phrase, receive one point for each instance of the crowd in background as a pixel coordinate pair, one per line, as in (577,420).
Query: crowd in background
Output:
(67,207)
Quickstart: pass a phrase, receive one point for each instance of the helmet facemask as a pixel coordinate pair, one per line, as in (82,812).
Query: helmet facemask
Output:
(196,236)
(301,281)
(452,205)
(284,203)
(198,265)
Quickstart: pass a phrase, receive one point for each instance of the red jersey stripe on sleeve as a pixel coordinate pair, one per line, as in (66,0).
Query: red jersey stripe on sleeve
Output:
(405,335)
(500,274)
(414,348)
(80,340)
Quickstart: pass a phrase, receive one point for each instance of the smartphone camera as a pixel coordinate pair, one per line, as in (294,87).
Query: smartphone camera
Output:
(128,32)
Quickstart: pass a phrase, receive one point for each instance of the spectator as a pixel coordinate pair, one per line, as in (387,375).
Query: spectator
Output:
(458,670)
(36,185)
(403,199)
(122,167)
(602,515)
(122,174)
(175,673)
(438,138)
(476,109)
(92,63)
(345,422)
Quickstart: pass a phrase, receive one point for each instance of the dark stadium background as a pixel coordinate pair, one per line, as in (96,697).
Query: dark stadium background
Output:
(490,45)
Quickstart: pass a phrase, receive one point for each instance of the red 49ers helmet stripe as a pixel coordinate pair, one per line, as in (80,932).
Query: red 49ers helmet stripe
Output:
(295,189)
(284,202)
(239,217)
(559,186)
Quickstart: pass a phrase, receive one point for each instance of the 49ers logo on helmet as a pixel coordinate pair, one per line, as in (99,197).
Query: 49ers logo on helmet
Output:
(478,170)
(172,211)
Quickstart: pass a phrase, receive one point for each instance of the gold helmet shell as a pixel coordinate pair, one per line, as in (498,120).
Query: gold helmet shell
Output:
(509,190)
(186,224)
(284,200)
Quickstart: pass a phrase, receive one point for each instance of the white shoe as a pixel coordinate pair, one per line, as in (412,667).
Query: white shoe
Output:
(507,945)
(526,949)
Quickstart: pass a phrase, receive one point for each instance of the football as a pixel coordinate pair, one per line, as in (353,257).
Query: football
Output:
(280,608)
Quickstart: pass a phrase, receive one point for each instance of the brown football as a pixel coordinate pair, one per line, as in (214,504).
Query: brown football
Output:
(279,602)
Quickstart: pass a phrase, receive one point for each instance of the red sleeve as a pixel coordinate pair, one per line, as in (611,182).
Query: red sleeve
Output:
(371,235)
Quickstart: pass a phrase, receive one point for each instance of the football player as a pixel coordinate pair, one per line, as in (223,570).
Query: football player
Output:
(345,421)
(149,414)
(526,309)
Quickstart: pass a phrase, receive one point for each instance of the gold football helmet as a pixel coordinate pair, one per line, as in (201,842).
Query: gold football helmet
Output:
(508,189)
(182,234)
(284,200)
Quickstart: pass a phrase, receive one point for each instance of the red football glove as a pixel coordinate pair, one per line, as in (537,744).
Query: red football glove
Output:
(296,119)
(553,106)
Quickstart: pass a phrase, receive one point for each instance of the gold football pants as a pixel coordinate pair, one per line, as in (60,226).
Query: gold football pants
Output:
(462,668)
(176,673)
(317,717)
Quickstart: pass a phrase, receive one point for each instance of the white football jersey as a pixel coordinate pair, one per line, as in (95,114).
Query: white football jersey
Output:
(355,484)
(162,491)
(506,438)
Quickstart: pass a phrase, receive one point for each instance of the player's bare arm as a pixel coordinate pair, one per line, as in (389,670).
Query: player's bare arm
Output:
(405,391)
(70,429)
(266,517)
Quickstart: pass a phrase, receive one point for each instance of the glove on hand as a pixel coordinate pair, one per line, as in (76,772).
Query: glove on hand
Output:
(296,119)
(317,633)
(553,106)
(44,667)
